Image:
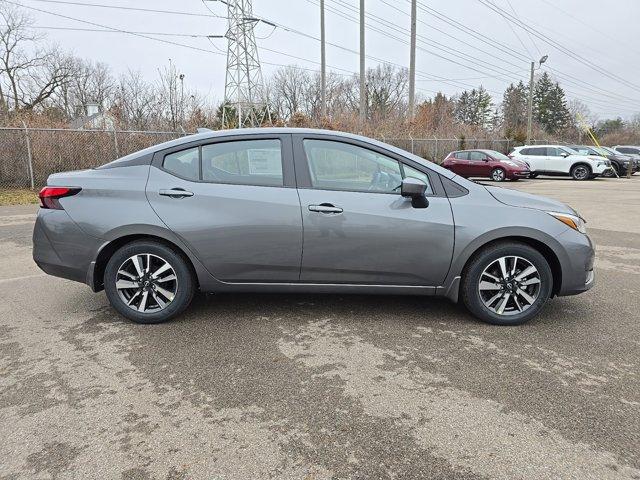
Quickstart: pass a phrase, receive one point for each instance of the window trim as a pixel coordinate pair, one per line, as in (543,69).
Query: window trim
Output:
(286,155)
(303,176)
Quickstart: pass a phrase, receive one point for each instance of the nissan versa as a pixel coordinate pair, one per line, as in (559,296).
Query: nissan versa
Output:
(294,210)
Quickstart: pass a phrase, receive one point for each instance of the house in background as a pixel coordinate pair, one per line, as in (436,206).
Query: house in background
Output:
(93,117)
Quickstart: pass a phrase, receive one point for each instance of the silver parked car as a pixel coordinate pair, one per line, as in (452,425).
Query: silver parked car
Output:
(295,210)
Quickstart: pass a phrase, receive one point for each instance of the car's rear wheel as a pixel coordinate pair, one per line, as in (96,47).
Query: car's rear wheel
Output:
(498,174)
(533,175)
(148,282)
(580,172)
(506,283)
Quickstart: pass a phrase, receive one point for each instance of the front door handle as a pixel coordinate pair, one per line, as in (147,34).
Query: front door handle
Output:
(175,193)
(325,208)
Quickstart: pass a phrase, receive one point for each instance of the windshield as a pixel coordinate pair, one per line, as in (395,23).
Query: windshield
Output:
(570,151)
(499,156)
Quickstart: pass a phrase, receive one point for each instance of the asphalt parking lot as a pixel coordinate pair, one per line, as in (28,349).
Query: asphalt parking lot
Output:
(314,387)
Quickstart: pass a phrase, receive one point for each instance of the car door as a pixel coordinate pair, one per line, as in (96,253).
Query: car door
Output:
(536,157)
(233,201)
(557,160)
(459,164)
(357,227)
(478,164)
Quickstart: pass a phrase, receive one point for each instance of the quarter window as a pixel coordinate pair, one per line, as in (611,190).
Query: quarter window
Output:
(243,162)
(341,166)
(184,163)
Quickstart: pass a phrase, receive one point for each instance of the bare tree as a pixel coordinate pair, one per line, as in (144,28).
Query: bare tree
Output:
(29,73)
(136,101)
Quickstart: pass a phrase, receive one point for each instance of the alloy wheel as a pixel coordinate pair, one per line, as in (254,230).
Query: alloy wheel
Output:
(581,172)
(498,175)
(510,285)
(146,283)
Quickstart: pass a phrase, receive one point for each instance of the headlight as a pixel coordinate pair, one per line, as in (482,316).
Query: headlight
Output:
(573,221)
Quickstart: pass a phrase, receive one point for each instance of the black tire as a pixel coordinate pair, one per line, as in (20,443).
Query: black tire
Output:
(498,174)
(533,175)
(471,277)
(581,172)
(615,170)
(183,288)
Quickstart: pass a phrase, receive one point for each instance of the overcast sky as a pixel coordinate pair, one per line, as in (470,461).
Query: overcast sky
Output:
(603,33)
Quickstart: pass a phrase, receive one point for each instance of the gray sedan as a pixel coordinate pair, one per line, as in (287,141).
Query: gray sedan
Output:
(296,210)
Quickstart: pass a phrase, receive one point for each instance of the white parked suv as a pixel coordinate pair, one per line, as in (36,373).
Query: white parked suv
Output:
(560,160)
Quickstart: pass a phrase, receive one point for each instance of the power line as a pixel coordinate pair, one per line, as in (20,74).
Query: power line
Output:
(559,46)
(500,46)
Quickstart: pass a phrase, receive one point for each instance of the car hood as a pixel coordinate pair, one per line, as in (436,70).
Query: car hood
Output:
(527,200)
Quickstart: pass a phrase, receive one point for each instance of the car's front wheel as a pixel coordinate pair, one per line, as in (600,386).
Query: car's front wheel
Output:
(581,172)
(506,283)
(498,174)
(148,282)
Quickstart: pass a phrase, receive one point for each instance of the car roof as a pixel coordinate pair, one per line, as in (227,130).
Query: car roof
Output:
(204,135)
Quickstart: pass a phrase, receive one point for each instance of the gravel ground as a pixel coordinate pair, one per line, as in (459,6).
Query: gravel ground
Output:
(314,387)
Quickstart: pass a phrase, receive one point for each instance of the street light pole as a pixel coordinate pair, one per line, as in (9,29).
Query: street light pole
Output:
(412,62)
(530,105)
(363,97)
(323,67)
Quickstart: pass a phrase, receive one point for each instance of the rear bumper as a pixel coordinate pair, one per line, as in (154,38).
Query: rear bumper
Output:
(61,248)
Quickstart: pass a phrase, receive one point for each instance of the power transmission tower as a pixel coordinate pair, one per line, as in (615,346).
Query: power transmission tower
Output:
(245,100)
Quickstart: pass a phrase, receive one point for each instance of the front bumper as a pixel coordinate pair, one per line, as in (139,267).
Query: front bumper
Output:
(578,266)
(518,174)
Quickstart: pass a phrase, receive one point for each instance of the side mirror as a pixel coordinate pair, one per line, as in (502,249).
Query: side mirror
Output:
(564,154)
(485,159)
(415,190)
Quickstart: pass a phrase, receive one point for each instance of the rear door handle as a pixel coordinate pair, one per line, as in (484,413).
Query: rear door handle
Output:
(175,193)
(325,208)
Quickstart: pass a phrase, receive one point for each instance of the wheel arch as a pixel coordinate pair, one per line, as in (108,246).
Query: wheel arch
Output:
(539,243)
(109,248)
(581,162)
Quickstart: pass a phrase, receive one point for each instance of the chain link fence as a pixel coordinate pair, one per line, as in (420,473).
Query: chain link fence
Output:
(29,155)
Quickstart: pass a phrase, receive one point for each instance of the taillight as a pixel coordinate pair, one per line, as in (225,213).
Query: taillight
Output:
(49,196)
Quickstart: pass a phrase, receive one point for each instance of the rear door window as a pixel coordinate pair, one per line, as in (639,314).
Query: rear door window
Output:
(477,156)
(243,162)
(462,155)
(185,163)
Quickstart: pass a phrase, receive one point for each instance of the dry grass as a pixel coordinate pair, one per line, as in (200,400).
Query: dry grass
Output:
(17,196)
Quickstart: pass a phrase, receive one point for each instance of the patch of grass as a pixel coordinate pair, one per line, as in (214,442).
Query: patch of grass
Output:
(18,196)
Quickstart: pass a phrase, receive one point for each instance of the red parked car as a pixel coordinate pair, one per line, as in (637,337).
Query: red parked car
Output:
(486,163)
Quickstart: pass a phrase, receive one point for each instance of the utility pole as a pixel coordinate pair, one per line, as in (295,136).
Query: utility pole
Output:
(323,65)
(530,106)
(412,62)
(363,96)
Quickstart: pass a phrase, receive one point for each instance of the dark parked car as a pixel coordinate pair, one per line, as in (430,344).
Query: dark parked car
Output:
(485,163)
(296,210)
(619,162)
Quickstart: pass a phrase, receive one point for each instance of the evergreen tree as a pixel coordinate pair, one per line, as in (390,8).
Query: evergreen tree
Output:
(550,105)
(514,109)
(474,107)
